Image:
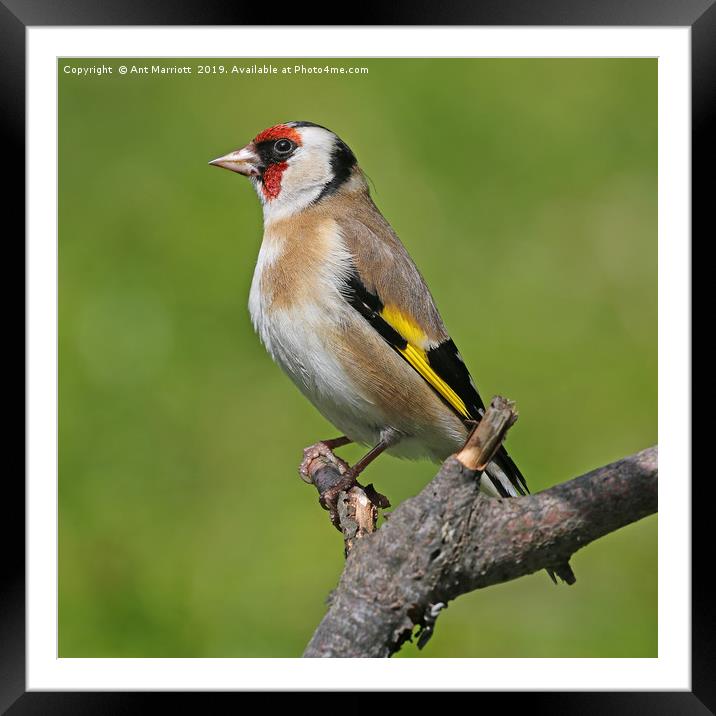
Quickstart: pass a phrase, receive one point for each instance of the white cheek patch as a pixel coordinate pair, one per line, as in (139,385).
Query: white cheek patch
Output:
(306,168)
(308,171)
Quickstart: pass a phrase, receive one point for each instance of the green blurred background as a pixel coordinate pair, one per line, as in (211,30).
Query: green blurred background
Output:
(526,191)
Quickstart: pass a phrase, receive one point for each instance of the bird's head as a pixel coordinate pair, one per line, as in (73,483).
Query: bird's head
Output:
(293,165)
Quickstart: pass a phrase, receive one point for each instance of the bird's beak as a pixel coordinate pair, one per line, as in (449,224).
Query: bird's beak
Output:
(243,161)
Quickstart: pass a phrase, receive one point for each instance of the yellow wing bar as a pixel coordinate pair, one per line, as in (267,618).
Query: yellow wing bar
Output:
(418,359)
(415,354)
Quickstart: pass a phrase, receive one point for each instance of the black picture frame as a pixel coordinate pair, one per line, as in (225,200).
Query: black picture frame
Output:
(17,15)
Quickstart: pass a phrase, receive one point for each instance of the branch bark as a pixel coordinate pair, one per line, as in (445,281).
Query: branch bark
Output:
(451,539)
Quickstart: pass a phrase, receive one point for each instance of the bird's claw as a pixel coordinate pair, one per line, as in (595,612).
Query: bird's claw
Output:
(320,450)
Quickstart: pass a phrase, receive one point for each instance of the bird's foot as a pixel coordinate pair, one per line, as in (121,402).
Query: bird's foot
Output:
(319,456)
(320,450)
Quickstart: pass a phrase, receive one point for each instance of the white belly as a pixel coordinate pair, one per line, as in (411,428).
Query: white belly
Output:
(296,337)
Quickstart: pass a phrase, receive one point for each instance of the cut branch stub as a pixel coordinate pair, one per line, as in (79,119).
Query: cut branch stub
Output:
(487,436)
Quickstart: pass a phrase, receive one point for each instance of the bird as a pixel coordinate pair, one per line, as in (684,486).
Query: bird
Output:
(341,307)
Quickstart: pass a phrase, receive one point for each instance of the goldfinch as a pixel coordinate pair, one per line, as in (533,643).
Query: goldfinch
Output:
(341,307)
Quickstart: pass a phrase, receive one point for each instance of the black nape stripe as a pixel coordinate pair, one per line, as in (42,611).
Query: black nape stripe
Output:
(342,162)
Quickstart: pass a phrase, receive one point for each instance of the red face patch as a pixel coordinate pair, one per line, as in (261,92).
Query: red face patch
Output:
(280,131)
(271,179)
(271,185)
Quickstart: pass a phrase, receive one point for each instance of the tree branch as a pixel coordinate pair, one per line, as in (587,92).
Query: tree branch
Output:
(451,539)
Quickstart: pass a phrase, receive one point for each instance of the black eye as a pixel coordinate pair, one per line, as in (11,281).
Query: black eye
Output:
(283,146)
